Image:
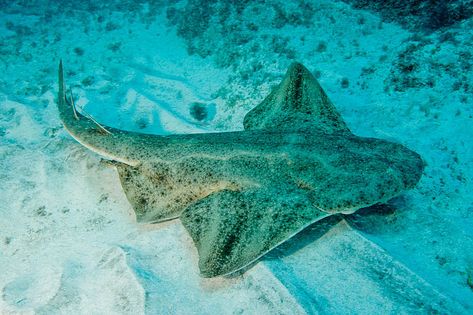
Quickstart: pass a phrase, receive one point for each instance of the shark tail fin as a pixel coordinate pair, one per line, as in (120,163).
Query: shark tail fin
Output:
(67,108)
(61,93)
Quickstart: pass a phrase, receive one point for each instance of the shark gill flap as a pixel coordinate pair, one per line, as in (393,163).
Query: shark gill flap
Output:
(299,102)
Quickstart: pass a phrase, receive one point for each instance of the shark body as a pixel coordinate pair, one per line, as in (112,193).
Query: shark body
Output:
(240,194)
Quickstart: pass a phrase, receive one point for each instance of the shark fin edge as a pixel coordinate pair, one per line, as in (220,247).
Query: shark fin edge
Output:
(298,102)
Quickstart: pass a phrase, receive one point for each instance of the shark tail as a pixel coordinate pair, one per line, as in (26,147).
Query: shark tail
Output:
(87,131)
(67,108)
(61,93)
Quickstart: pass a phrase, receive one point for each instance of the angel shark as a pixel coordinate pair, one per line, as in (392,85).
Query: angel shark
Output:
(240,194)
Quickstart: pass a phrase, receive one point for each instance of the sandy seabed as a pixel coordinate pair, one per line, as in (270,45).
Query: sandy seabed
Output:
(68,240)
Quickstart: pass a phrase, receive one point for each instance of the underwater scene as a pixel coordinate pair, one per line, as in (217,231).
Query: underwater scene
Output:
(236,157)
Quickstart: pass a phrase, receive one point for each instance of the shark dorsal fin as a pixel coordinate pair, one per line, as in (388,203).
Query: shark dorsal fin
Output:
(298,103)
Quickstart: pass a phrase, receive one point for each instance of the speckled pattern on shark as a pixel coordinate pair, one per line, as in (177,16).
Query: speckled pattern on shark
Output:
(240,194)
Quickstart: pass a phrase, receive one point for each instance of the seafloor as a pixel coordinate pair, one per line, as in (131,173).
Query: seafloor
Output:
(400,71)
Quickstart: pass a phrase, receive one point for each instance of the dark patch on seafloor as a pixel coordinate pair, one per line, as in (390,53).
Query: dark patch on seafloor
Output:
(426,15)
(371,220)
(202,112)
(366,220)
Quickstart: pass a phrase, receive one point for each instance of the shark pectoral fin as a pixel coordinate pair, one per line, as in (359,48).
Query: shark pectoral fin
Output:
(298,103)
(149,188)
(232,229)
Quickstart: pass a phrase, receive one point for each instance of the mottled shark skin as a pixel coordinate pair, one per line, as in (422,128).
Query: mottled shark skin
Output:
(240,194)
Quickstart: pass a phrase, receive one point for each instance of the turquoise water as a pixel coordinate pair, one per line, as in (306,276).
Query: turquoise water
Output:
(69,243)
